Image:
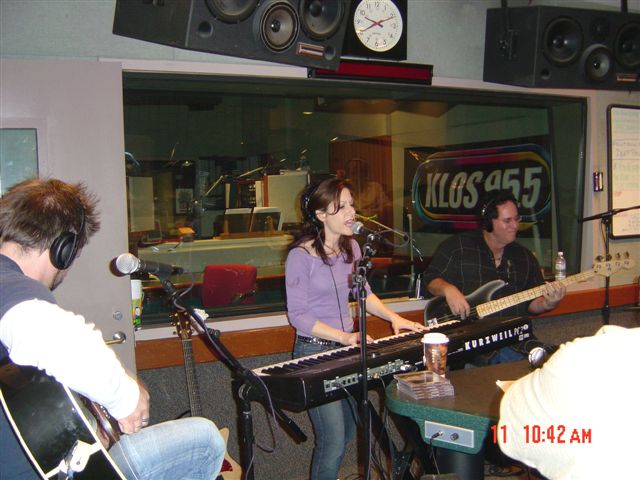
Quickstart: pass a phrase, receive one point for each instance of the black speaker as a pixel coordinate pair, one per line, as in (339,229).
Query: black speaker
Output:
(562,48)
(308,33)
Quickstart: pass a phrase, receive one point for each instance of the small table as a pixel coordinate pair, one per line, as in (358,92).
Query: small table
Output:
(464,419)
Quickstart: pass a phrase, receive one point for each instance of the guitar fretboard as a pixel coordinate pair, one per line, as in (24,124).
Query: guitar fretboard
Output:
(510,300)
(192,379)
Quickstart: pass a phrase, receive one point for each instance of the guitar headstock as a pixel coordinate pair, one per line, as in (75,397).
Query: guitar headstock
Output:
(182,321)
(611,265)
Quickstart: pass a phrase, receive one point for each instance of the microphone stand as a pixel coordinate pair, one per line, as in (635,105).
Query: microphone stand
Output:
(359,280)
(606,219)
(251,386)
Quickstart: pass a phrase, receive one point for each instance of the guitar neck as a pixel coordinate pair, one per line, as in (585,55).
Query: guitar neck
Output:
(526,295)
(192,380)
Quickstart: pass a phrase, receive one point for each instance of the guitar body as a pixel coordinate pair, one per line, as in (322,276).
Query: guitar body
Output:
(437,307)
(49,420)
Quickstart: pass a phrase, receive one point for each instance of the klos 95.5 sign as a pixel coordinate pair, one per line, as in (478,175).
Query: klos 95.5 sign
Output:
(448,188)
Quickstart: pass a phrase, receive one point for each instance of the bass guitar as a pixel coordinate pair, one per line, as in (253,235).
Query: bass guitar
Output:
(437,310)
(64,434)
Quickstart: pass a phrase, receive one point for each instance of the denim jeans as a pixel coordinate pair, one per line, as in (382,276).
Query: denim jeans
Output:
(334,425)
(189,449)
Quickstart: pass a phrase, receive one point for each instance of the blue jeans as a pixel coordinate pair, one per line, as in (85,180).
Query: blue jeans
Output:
(189,449)
(334,425)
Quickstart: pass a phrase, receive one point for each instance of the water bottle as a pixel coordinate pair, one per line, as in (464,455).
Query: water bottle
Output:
(560,267)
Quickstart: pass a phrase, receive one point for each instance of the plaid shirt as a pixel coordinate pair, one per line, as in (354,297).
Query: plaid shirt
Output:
(466,261)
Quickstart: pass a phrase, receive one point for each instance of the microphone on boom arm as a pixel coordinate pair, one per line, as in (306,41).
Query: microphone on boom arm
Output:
(358,228)
(128,263)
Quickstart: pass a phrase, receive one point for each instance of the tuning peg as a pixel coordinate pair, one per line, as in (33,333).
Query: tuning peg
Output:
(599,258)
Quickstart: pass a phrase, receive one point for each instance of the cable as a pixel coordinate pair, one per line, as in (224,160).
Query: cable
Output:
(335,286)
(433,455)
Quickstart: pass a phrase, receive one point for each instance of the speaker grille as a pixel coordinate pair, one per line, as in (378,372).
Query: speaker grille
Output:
(279,27)
(232,11)
(562,41)
(627,46)
(597,63)
(321,18)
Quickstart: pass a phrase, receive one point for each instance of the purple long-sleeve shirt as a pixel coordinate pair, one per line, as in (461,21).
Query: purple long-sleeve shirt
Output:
(313,295)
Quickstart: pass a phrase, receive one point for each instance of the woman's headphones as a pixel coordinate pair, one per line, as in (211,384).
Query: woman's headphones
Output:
(64,248)
(308,213)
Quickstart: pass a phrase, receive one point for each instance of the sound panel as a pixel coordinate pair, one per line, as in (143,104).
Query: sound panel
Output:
(562,48)
(308,33)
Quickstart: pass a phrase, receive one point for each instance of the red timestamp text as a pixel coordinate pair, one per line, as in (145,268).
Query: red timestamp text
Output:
(553,434)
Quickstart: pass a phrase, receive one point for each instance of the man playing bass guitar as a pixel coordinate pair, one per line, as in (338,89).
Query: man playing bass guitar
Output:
(466,262)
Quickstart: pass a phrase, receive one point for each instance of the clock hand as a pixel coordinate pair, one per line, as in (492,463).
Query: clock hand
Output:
(375,24)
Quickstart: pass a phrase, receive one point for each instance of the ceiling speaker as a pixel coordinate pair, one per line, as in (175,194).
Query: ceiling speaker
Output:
(560,47)
(307,33)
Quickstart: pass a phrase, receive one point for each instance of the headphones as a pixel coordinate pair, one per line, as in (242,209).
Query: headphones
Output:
(64,248)
(490,208)
(309,214)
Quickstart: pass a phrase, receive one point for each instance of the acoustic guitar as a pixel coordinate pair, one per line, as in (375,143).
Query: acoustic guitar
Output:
(437,310)
(63,433)
(182,321)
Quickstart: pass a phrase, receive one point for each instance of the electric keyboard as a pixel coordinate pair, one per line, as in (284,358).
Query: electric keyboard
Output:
(313,380)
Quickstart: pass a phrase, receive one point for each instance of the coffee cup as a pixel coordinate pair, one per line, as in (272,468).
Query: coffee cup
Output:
(435,347)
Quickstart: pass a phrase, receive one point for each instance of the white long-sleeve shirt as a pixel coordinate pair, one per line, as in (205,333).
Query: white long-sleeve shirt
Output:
(41,334)
(576,417)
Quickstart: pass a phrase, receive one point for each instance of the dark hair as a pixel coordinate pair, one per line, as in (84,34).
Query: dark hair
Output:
(35,212)
(322,196)
(489,210)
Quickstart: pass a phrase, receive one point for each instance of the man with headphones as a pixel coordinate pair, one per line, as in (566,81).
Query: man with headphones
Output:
(43,226)
(465,262)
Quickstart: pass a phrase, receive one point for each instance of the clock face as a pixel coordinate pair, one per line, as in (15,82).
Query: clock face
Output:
(378,24)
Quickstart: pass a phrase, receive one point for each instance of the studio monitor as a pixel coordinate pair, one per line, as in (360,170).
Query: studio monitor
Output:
(308,33)
(562,48)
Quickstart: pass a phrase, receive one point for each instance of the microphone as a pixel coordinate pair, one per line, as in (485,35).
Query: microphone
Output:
(537,352)
(127,263)
(358,228)
(404,235)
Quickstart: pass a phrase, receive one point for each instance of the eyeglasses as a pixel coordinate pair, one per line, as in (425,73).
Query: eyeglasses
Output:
(509,221)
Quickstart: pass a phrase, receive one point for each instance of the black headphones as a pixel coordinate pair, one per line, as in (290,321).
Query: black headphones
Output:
(309,214)
(490,208)
(64,248)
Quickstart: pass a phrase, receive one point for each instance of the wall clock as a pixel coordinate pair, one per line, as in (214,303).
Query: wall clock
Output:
(378,29)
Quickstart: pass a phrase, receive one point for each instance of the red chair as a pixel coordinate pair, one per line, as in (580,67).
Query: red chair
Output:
(228,284)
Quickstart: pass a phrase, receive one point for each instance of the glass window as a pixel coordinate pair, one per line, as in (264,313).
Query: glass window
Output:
(215,166)
(18,156)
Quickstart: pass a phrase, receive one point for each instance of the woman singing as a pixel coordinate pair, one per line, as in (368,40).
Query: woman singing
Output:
(317,271)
